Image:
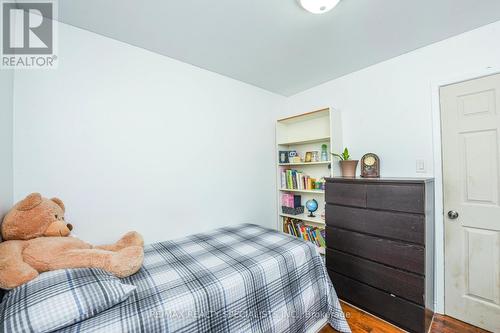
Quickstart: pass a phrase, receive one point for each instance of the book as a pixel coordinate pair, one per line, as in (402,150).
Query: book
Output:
(283,179)
(297,201)
(296,180)
(298,229)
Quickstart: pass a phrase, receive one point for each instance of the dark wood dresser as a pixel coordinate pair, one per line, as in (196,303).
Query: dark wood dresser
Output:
(380,247)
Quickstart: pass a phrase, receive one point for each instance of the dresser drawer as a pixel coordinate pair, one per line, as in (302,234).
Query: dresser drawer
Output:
(398,311)
(398,197)
(396,254)
(400,226)
(346,194)
(400,283)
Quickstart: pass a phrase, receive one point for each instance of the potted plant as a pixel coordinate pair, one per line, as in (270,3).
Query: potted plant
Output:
(347,165)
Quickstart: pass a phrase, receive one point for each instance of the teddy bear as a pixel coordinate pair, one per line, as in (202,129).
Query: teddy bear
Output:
(37,239)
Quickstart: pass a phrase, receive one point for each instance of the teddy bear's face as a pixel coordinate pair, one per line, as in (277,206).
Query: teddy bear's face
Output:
(34,217)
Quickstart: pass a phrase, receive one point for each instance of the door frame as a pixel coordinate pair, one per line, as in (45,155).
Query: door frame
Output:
(439,264)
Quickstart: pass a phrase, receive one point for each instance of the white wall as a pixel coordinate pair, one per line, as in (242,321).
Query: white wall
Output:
(386,108)
(6,109)
(391,109)
(133,140)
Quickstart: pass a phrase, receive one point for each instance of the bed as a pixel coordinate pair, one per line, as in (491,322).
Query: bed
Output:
(242,278)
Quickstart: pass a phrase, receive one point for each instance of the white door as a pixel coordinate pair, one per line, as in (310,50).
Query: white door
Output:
(470,123)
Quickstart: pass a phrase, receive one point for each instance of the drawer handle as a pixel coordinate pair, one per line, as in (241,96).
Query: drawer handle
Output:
(392,295)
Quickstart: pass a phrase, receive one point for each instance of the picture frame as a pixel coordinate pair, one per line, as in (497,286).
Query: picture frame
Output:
(283,156)
(293,157)
(315,156)
(308,157)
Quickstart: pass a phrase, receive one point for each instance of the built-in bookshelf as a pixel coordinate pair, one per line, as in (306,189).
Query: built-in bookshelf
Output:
(302,176)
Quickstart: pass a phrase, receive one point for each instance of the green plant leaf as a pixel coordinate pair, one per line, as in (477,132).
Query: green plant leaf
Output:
(346,155)
(339,156)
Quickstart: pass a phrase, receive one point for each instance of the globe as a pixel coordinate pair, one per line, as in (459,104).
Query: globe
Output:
(312,206)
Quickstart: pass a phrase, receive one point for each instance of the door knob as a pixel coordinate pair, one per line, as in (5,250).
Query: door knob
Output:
(452,214)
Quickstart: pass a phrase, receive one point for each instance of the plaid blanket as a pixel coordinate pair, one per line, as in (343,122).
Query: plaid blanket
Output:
(236,279)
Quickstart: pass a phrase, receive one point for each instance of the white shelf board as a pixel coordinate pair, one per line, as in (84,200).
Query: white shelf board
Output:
(302,191)
(304,217)
(323,113)
(305,141)
(306,163)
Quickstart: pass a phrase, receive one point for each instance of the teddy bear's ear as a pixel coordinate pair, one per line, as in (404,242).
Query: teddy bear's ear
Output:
(59,203)
(30,202)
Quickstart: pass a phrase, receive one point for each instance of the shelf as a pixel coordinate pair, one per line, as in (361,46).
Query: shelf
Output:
(306,163)
(323,113)
(302,191)
(304,217)
(306,132)
(305,142)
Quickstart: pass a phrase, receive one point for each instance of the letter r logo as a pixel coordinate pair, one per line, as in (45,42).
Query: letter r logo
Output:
(27,28)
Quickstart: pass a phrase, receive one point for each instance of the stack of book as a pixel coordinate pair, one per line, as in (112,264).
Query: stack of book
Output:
(290,200)
(309,233)
(291,204)
(296,180)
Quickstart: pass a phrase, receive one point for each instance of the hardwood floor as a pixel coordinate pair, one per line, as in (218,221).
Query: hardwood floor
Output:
(362,322)
(445,324)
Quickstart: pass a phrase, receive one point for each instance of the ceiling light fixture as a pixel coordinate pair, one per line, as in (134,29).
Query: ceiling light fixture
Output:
(319,6)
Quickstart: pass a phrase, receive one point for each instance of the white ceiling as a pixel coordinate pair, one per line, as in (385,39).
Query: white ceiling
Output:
(274,44)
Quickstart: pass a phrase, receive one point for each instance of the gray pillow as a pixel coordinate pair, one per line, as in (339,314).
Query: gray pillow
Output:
(60,298)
